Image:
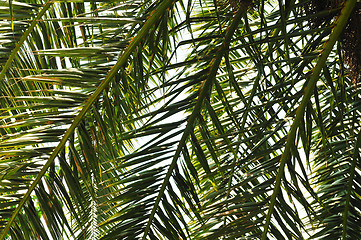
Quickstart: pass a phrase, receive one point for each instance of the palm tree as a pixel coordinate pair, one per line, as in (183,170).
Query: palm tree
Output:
(180,119)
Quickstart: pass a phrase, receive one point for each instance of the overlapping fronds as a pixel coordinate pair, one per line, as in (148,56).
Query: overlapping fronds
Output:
(177,120)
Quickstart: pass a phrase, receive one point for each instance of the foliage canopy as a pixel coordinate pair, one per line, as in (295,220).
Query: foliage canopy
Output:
(180,119)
